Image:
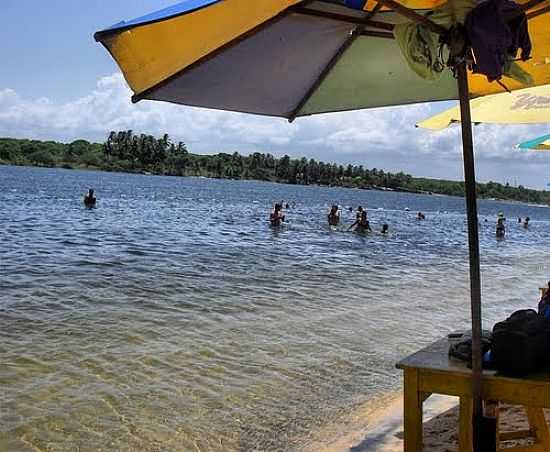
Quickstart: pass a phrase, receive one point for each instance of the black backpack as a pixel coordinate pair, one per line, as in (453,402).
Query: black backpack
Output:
(521,343)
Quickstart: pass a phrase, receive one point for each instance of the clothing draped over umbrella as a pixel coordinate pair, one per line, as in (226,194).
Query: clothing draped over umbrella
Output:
(291,58)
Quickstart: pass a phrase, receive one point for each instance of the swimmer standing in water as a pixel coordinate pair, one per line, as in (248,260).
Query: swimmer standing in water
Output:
(277,218)
(90,199)
(357,216)
(500,229)
(361,223)
(334,216)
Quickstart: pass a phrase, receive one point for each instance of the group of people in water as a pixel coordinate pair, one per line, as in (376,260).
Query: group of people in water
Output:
(501,228)
(361,224)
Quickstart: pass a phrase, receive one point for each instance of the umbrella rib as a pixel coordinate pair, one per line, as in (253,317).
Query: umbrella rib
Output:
(324,73)
(140,96)
(538,12)
(525,8)
(378,34)
(347,19)
(531,4)
(413,15)
(358,31)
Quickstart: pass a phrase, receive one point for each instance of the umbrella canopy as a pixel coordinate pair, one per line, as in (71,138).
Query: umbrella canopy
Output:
(524,106)
(291,58)
(538,144)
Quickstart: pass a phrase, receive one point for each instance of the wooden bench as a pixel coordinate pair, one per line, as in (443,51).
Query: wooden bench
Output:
(430,371)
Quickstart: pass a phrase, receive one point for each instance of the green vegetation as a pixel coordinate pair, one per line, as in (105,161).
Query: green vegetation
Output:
(127,152)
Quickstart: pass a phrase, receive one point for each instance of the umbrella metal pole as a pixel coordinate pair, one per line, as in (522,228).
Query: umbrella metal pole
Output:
(473,240)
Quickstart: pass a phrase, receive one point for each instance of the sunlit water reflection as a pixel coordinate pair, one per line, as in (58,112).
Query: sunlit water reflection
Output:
(172,317)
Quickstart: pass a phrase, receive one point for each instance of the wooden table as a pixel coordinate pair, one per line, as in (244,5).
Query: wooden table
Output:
(430,370)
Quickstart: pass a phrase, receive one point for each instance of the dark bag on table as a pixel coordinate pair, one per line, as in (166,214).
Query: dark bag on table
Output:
(461,348)
(521,343)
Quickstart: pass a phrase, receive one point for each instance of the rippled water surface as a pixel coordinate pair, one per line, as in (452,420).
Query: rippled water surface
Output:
(172,317)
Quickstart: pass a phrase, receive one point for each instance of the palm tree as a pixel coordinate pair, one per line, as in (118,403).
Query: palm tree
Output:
(109,145)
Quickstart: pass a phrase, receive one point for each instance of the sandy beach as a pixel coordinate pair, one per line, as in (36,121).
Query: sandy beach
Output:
(382,430)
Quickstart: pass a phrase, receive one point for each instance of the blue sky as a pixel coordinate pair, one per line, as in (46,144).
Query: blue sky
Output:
(56,82)
(48,47)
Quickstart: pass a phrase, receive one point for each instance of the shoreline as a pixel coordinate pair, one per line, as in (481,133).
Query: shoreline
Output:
(139,172)
(383,430)
(380,428)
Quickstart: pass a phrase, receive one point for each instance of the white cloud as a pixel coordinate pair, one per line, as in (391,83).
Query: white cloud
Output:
(383,138)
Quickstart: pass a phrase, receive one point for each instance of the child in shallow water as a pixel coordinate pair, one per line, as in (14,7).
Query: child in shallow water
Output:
(277,218)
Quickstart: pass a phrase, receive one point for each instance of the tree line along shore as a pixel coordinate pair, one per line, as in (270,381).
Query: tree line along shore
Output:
(125,151)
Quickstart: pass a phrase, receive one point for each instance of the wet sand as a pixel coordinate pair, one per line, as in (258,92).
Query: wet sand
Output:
(382,431)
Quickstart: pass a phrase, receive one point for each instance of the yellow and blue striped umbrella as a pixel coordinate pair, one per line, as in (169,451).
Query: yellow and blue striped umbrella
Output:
(292,58)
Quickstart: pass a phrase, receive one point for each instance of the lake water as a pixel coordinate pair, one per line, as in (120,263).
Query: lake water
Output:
(172,317)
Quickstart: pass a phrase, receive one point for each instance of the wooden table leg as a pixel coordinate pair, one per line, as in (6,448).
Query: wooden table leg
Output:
(492,409)
(537,421)
(465,426)
(412,412)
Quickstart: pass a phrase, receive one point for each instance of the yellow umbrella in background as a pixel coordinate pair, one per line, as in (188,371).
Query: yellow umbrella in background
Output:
(524,106)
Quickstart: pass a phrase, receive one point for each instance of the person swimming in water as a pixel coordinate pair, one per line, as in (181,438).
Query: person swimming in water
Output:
(385,228)
(362,224)
(90,199)
(357,217)
(500,229)
(334,216)
(420,216)
(277,218)
(526,222)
